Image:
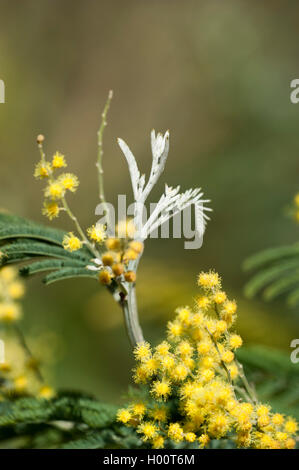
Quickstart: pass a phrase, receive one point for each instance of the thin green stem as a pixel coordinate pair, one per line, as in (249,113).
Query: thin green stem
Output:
(221,361)
(243,377)
(250,393)
(42,153)
(78,227)
(28,352)
(243,392)
(99,163)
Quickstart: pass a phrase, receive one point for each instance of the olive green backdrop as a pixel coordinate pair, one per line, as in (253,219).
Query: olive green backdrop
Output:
(217,74)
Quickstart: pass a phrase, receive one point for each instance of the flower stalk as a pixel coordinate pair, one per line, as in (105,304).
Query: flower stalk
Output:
(245,382)
(99,163)
(78,227)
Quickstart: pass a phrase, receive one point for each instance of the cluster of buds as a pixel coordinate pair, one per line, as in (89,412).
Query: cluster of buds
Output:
(196,388)
(120,252)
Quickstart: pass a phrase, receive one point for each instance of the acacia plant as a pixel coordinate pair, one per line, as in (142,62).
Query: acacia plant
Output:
(191,389)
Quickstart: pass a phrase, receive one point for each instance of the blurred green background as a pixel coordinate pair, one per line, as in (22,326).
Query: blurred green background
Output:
(217,74)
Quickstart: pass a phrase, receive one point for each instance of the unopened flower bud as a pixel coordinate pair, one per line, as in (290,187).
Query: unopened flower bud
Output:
(107,259)
(105,277)
(130,276)
(118,269)
(40,138)
(113,244)
(136,246)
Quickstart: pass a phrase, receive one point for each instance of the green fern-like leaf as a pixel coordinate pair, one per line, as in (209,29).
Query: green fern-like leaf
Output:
(115,437)
(269,274)
(91,440)
(26,410)
(29,247)
(12,226)
(275,377)
(91,424)
(293,298)
(270,255)
(282,286)
(68,273)
(22,240)
(47,265)
(268,359)
(278,273)
(66,408)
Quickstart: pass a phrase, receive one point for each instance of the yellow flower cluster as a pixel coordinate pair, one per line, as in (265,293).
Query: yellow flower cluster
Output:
(55,201)
(11,290)
(120,251)
(194,382)
(17,367)
(57,186)
(97,233)
(18,372)
(71,242)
